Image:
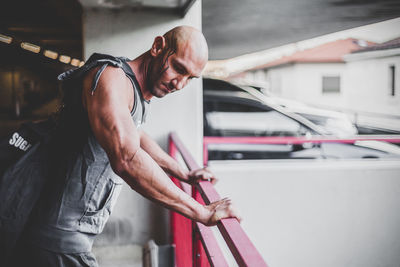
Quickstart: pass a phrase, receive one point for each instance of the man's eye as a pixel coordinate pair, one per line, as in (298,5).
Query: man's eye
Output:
(179,70)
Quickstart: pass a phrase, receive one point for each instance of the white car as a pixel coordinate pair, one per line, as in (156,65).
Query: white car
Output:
(233,111)
(333,122)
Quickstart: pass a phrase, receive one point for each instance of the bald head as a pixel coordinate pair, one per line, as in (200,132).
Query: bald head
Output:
(174,59)
(188,39)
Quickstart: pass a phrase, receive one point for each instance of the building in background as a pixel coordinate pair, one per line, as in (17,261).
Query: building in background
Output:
(351,75)
(311,76)
(372,85)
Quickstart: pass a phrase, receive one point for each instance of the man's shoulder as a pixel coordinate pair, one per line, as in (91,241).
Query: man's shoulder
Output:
(95,62)
(110,76)
(100,57)
(107,73)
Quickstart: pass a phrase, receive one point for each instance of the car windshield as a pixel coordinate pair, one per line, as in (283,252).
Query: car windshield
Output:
(240,115)
(267,123)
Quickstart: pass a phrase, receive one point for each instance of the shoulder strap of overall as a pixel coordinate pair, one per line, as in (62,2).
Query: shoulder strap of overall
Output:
(136,87)
(95,60)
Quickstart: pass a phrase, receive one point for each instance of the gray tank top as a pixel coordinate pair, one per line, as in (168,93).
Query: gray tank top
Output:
(78,203)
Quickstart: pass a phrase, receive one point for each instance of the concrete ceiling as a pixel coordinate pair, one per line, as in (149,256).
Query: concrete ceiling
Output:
(232,27)
(132,3)
(178,7)
(236,27)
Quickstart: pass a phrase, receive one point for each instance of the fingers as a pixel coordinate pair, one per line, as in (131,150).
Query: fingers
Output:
(234,213)
(222,209)
(230,210)
(203,174)
(219,202)
(208,176)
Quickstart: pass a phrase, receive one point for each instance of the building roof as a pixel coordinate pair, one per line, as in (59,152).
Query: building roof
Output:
(331,52)
(395,43)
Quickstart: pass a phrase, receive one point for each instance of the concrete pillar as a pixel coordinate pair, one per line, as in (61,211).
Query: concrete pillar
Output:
(130,33)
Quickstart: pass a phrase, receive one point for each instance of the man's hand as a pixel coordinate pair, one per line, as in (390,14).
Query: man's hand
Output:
(221,209)
(203,174)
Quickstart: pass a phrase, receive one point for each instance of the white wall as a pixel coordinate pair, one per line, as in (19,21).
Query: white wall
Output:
(308,83)
(303,82)
(317,213)
(130,33)
(367,85)
(364,84)
(282,81)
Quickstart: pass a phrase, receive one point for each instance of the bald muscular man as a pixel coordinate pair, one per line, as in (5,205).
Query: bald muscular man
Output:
(100,145)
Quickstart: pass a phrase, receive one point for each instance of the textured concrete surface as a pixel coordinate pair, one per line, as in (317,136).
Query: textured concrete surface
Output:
(119,256)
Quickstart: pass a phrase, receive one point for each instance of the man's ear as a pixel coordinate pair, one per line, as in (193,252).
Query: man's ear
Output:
(158,46)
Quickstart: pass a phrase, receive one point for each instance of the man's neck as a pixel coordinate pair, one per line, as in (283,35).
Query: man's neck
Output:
(139,66)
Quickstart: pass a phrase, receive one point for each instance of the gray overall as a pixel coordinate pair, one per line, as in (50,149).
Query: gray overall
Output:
(78,203)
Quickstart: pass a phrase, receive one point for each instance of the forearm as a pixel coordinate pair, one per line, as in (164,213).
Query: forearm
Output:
(166,162)
(146,177)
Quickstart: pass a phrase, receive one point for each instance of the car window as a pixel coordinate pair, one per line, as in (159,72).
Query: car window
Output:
(238,107)
(223,118)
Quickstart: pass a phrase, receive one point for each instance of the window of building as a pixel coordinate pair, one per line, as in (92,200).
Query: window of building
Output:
(392,80)
(331,84)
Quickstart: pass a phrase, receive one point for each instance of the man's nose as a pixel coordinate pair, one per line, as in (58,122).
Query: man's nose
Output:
(178,83)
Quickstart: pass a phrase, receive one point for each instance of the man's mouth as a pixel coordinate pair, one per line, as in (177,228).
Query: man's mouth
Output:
(167,88)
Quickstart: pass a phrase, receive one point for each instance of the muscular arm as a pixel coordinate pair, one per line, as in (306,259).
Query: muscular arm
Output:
(170,165)
(167,163)
(109,116)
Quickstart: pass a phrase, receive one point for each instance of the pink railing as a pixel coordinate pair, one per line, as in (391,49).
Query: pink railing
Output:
(195,243)
(285,140)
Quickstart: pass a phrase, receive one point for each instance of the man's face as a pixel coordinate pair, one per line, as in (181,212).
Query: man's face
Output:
(171,72)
